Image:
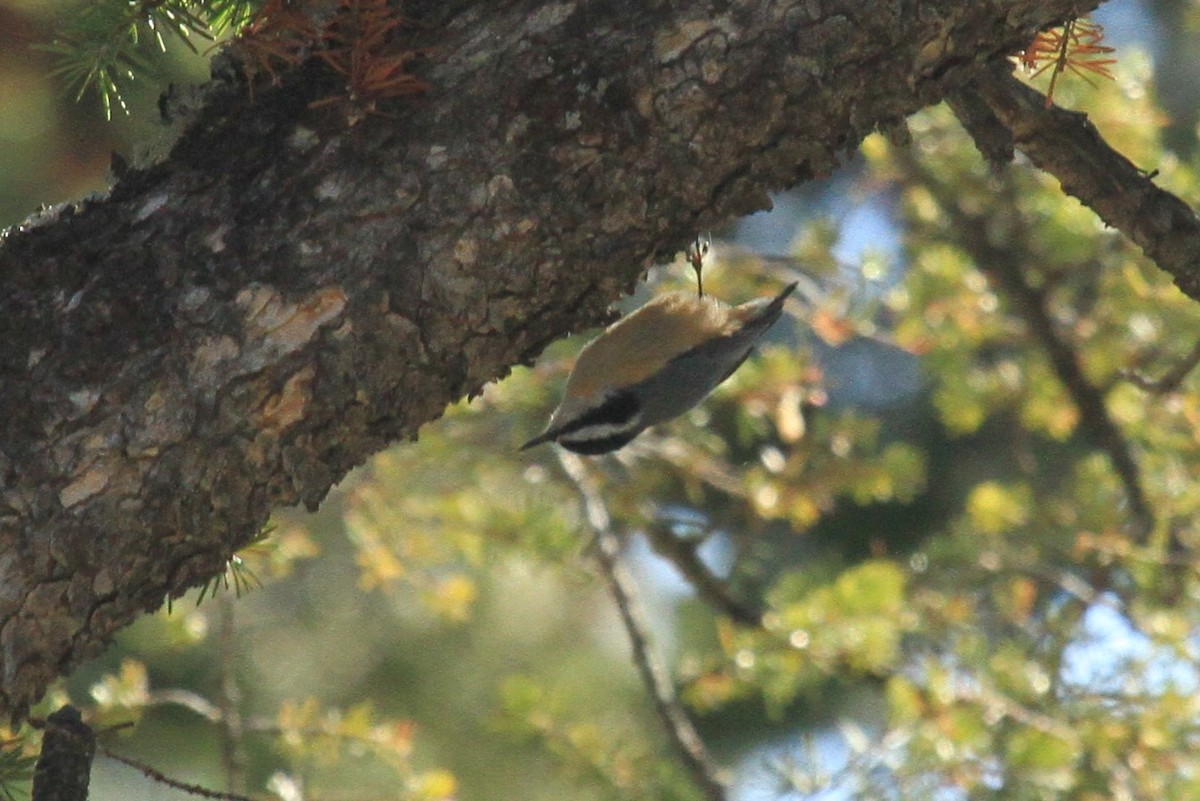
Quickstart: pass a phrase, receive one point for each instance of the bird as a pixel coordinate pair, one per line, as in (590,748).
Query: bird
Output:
(654,365)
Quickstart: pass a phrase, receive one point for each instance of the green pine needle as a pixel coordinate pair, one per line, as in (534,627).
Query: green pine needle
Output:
(237,574)
(16,768)
(109,43)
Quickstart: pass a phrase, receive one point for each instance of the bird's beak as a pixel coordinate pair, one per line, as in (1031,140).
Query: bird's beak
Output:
(546,436)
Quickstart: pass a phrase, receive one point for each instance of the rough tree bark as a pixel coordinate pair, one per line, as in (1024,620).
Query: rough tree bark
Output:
(235,328)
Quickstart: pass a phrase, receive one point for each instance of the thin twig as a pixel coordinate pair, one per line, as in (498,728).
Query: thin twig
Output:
(675,720)
(712,590)
(974,692)
(188,699)
(233,755)
(1076,587)
(1171,380)
(714,472)
(161,778)
(253,725)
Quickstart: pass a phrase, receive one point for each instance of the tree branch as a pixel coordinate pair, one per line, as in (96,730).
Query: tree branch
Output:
(713,591)
(235,328)
(64,768)
(1168,381)
(162,778)
(675,720)
(1028,301)
(1094,418)
(1067,145)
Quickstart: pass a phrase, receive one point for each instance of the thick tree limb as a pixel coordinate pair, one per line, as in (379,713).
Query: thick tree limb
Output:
(1067,145)
(286,293)
(64,768)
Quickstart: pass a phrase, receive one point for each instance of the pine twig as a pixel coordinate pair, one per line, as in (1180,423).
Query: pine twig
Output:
(1077,45)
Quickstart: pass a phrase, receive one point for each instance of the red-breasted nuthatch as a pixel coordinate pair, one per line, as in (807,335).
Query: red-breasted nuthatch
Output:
(654,365)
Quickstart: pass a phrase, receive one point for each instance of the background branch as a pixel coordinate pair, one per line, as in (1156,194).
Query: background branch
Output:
(1029,303)
(161,778)
(1094,418)
(683,735)
(681,552)
(1170,380)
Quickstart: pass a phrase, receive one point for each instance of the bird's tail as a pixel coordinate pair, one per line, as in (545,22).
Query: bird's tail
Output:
(759,315)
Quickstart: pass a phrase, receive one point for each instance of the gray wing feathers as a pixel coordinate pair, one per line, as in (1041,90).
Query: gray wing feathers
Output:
(692,375)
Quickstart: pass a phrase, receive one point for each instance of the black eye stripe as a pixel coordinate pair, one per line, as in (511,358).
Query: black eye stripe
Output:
(617,409)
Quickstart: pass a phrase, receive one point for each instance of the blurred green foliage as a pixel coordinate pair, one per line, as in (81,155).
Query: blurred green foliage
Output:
(960,597)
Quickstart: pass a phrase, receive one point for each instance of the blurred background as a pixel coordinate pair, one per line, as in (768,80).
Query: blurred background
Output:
(889,558)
